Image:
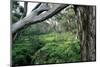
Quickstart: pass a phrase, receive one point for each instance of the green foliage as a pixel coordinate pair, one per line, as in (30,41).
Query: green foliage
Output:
(24,48)
(59,48)
(44,42)
(16,12)
(22,54)
(46,48)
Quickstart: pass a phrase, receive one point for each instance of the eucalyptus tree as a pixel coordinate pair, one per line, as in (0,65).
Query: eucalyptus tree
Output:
(86,20)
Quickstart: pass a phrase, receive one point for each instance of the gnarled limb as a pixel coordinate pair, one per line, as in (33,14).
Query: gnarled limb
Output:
(37,16)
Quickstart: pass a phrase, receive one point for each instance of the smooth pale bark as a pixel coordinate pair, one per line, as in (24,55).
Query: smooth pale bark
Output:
(37,16)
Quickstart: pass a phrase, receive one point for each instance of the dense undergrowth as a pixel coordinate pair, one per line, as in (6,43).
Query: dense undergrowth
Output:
(46,49)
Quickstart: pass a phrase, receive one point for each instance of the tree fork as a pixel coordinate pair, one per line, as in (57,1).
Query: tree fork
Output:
(37,16)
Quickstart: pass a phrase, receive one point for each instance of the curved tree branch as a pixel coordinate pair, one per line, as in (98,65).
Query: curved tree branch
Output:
(36,16)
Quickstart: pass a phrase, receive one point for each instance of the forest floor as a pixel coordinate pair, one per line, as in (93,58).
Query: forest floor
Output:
(46,49)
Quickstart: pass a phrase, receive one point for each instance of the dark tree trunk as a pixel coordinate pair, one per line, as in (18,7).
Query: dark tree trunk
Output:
(87,32)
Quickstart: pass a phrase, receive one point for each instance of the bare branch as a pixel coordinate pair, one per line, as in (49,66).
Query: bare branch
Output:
(37,6)
(43,7)
(57,8)
(36,16)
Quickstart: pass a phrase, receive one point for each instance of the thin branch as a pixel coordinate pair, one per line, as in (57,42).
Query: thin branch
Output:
(36,6)
(43,7)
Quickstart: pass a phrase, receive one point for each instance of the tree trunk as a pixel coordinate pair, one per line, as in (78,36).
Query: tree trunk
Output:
(87,32)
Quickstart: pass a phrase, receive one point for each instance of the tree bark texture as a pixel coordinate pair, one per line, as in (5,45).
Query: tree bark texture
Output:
(87,32)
